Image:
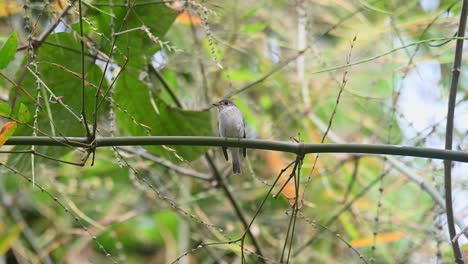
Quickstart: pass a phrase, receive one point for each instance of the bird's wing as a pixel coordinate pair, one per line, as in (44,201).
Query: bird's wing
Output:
(224,148)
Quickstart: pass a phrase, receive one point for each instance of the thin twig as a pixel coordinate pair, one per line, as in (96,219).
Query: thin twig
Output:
(35,153)
(234,204)
(38,42)
(409,173)
(354,174)
(200,61)
(338,236)
(343,209)
(55,97)
(168,164)
(17,216)
(343,83)
(386,53)
(65,208)
(83,79)
(97,103)
(455,238)
(280,66)
(165,85)
(350,15)
(21,88)
(125,5)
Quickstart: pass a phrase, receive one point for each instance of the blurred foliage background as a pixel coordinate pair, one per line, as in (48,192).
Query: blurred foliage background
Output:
(286,64)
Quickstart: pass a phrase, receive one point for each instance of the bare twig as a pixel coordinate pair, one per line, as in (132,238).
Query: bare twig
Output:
(83,79)
(459,234)
(337,236)
(197,43)
(416,43)
(236,207)
(342,210)
(21,88)
(38,42)
(35,153)
(27,232)
(165,85)
(409,173)
(280,66)
(65,208)
(302,20)
(343,83)
(354,174)
(168,164)
(350,15)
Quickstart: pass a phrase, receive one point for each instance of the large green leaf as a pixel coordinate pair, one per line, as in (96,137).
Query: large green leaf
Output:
(8,50)
(136,44)
(58,69)
(144,231)
(162,119)
(5,109)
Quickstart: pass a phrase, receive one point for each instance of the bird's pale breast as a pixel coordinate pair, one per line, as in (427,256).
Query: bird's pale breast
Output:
(231,122)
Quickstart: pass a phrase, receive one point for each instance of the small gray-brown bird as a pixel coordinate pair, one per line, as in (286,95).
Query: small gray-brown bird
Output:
(231,124)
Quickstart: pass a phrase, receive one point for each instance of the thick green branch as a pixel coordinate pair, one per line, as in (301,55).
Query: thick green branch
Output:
(297,148)
(449,132)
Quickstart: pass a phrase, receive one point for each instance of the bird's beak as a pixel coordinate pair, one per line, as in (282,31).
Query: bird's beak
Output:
(216,104)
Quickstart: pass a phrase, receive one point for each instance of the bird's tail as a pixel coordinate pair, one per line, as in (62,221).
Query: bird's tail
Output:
(235,160)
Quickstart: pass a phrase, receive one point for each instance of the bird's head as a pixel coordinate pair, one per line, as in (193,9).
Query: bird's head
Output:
(224,104)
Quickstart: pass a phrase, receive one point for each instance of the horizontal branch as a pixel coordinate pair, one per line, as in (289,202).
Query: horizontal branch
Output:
(292,147)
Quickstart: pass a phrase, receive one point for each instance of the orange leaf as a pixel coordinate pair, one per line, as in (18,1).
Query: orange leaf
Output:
(7,130)
(186,18)
(276,163)
(380,239)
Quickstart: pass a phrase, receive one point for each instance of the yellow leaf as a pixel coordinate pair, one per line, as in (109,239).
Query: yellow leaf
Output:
(7,130)
(7,240)
(9,8)
(380,239)
(59,5)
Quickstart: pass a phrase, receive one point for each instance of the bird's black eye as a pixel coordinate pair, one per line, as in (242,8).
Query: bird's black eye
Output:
(225,103)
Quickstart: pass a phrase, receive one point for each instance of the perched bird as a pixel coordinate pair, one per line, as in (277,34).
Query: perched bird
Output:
(231,124)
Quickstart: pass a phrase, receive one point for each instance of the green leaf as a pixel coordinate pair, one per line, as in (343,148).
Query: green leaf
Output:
(8,51)
(143,45)
(250,117)
(160,118)
(60,75)
(147,231)
(243,75)
(250,13)
(64,84)
(23,114)
(253,28)
(265,102)
(5,109)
